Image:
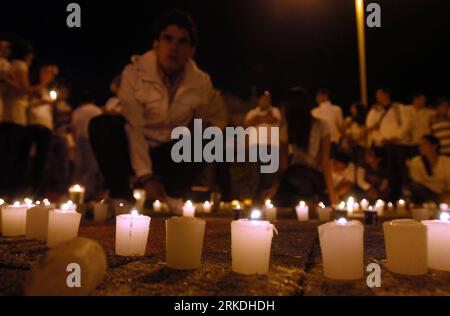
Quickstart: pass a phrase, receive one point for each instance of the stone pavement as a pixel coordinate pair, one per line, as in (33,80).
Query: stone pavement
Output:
(295,265)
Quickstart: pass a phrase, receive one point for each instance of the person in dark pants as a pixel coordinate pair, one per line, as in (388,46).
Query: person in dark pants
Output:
(160,90)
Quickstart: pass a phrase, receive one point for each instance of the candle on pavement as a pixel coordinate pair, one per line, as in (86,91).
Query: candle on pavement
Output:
(438,242)
(132,232)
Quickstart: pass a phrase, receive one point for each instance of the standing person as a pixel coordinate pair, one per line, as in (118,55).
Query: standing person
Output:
(41,125)
(160,90)
(440,125)
(308,174)
(354,140)
(86,168)
(430,173)
(5,66)
(387,124)
(264,115)
(331,114)
(420,121)
(14,136)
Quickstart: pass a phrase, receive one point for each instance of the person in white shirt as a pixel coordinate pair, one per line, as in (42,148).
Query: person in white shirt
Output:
(160,90)
(113,105)
(5,66)
(388,127)
(264,115)
(419,122)
(86,171)
(330,113)
(430,173)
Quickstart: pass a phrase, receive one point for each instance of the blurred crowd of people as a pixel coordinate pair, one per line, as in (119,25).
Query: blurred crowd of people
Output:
(388,150)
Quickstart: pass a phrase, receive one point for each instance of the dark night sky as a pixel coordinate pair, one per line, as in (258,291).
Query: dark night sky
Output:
(308,42)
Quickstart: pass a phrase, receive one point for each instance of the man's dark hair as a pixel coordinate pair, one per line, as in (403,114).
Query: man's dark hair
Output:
(182,20)
(324,92)
(20,49)
(441,100)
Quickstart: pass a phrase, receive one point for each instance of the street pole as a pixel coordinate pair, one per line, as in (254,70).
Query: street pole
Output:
(360,25)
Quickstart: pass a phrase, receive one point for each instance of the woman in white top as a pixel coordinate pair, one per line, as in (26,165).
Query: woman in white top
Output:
(430,173)
(308,175)
(354,130)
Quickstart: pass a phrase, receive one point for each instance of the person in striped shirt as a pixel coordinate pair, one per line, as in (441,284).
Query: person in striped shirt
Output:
(440,125)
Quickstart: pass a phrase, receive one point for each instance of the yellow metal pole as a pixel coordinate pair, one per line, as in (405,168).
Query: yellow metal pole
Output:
(359,6)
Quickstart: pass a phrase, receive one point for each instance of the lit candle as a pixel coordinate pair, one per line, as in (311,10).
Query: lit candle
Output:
(251,242)
(100,211)
(420,214)
(302,211)
(132,234)
(2,202)
(443,207)
(350,205)
(63,225)
(406,246)
(76,194)
(364,204)
(390,206)
(37,221)
(342,247)
(237,211)
(341,210)
(68,206)
(53,95)
(140,196)
(323,212)
(188,209)
(270,212)
(157,206)
(401,207)
(379,207)
(438,242)
(184,242)
(14,219)
(207,207)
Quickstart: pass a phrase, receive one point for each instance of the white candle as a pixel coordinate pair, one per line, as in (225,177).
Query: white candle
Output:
(63,225)
(401,207)
(184,242)
(323,212)
(439,243)
(76,194)
(37,221)
(2,202)
(406,246)
(420,214)
(188,209)
(132,232)
(342,247)
(379,207)
(251,242)
(270,213)
(207,207)
(100,211)
(364,204)
(140,196)
(14,219)
(350,205)
(302,211)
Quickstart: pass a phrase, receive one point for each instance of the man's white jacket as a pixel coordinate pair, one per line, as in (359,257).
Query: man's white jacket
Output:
(150,117)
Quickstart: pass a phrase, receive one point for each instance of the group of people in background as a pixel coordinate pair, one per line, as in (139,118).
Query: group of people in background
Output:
(388,150)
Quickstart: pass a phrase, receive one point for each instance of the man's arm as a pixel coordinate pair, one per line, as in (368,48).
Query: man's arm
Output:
(214,111)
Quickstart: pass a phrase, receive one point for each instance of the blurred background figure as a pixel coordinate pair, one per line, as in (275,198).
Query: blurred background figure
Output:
(264,115)
(86,170)
(440,125)
(354,135)
(113,105)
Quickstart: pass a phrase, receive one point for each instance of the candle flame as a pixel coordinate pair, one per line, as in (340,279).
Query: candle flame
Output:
(206,204)
(16,203)
(256,214)
(188,203)
(38,202)
(28,201)
(443,207)
(53,95)
(402,202)
(137,195)
(121,204)
(134,213)
(268,203)
(444,217)
(341,221)
(321,205)
(302,204)
(341,205)
(157,203)
(235,202)
(2,201)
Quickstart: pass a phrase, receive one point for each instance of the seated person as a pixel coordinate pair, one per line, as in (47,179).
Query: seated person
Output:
(308,175)
(375,173)
(430,173)
(159,91)
(347,178)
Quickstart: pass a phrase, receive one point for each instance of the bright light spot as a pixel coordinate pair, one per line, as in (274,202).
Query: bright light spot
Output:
(188,203)
(390,205)
(341,205)
(302,204)
(444,217)
(401,202)
(16,203)
(206,204)
(38,202)
(134,213)
(443,207)
(53,95)
(256,214)
(2,201)
(137,195)
(341,221)
(268,203)
(235,202)
(28,201)
(321,205)
(121,204)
